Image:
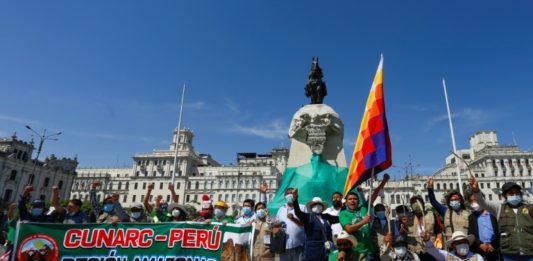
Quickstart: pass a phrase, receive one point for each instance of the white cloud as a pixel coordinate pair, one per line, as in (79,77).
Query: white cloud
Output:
(275,129)
(472,117)
(17,120)
(198,105)
(107,136)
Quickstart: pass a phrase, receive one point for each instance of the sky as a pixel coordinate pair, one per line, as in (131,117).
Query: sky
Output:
(108,74)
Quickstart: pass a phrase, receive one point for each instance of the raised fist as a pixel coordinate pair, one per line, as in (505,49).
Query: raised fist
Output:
(264,187)
(151,186)
(95,184)
(430,182)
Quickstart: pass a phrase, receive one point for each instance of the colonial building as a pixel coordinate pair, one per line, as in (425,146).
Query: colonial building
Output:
(17,170)
(491,163)
(195,174)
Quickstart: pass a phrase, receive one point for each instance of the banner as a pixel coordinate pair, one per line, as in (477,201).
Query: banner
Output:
(182,241)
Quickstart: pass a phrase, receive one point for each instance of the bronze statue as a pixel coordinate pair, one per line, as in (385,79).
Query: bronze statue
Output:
(316,88)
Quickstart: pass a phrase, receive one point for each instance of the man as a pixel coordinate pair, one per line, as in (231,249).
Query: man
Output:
(220,213)
(248,215)
(262,236)
(484,227)
(138,215)
(334,210)
(422,222)
(73,213)
(159,212)
(454,213)
(178,212)
(317,226)
(460,245)
(294,229)
(401,251)
(206,213)
(111,211)
(516,222)
(355,219)
(36,213)
(346,244)
(381,236)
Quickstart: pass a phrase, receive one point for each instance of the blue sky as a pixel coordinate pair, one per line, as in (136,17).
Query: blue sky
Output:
(108,73)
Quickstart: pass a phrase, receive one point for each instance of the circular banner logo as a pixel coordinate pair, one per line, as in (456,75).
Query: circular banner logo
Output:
(38,247)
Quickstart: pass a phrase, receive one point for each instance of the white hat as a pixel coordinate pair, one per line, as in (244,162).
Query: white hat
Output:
(460,235)
(314,201)
(206,201)
(343,235)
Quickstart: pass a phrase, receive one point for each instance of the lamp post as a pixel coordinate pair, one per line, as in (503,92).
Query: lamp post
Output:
(42,138)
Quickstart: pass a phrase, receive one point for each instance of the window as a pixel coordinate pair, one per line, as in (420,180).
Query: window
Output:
(188,186)
(392,199)
(137,173)
(142,197)
(127,185)
(7,195)
(490,196)
(162,173)
(195,198)
(488,185)
(144,185)
(119,185)
(125,197)
(197,185)
(135,186)
(398,199)
(30,179)
(161,185)
(154,173)
(188,198)
(46,181)
(13,175)
(219,196)
(134,197)
(481,185)
(60,184)
(151,197)
(444,186)
(179,185)
(438,186)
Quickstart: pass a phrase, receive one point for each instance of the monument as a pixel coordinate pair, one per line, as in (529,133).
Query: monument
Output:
(316,164)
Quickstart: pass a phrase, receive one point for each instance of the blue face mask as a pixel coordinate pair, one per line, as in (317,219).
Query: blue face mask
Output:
(108,208)
(163,207)
(219,213)
(261,213)
(514,200)
(381,215)
(455,204)
(289,198)
(247,211)
(36,211)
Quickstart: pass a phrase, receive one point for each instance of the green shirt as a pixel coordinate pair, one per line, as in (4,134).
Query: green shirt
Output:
(363,234)
(224,219)
(159,216)
(351,256)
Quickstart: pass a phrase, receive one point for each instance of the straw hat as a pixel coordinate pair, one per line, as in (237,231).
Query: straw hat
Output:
(460,235)
(178,206)
(343,235)
(314,201)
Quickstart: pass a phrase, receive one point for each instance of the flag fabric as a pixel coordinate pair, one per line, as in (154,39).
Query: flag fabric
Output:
(372,152)
(5,257)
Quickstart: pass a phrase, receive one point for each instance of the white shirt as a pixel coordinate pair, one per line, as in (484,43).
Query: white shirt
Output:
(336,229)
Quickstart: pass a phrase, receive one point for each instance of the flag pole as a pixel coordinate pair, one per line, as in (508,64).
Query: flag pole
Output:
(176,142)
(370,193)
(453,137)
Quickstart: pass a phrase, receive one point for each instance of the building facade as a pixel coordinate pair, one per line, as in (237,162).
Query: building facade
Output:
(491,163)
(195,175)
(18,170)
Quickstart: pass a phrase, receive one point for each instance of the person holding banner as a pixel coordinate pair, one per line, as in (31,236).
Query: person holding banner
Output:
(454,212)
(36,213)
(160,211)
(111,212)
(293,228)
(220,213)
(346,244)
(262,232)
(138,215)
(73,214)
(248,215)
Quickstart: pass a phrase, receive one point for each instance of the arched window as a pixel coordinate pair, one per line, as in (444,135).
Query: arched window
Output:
(197,185)
(438,186)
(110,187)
(46,182)
(13,175)
(127,185)
(60,184)
(119,185)
(444,186)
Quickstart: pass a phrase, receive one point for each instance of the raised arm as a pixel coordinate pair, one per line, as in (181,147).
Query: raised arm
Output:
(173,192)
(146,200)
(55,200)
(440,255)
(121,214)
(11,211)
(493,208)
(23,211)
(263,189)
(303,217)
(376,192)
(431,194)
(94,202)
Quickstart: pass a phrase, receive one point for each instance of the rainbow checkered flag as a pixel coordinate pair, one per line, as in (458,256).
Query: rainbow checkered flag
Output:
(372,152)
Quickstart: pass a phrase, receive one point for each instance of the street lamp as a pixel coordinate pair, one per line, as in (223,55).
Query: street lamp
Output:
(42,138)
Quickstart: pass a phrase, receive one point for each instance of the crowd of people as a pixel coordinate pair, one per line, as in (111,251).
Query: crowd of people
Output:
(353,228)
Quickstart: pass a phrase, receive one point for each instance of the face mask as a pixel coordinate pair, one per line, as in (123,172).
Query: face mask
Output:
(289,198)
(36,211)
(475,207)
(176,213)
(455,204)
(514,200)
(260,213)
(219,213)
(416,208)
(337,203)
(462,249)
(205,213)
(400,251)
(163,207)
(381,215)
(317,209)
(108,208)
(136,214)
(247,211)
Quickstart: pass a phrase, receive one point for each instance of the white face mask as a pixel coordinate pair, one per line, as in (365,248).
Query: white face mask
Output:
(176,212)
(475,206)
(462,249)
(400,251)
(317,209)
(136,214)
